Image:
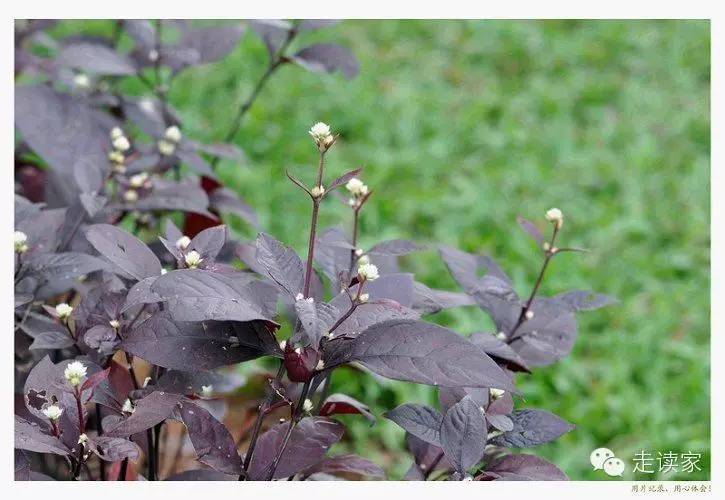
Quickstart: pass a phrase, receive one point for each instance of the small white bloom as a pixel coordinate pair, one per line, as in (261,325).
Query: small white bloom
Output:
(147,105)
(356,187)
(529,314)
(63,310)
(82,81)
(546,246)
(330,335)
(128,407)
(554,215)
(320,131)
(320,365)
(130,196)
(82,439)
(352,202)
(207,390)
(53,412)
(116,132)
(139,180)
(496,393)
(283,344)
(21,241)
(114,324)
(193,259)
(554,250)
(183,242)
(75,372)
(364,259)
(121,143)
(299,296)
(364,297)
(358,252)
(153,55)
(173,134)
(368,271)
(501,336)
(164,271)
(317,191)
(311,300)
(307,406)
(116,157)
(166,148)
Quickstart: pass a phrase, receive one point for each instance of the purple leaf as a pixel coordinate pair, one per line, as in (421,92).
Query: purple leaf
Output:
(209,242)
(430,301)
(328,58)
(186,196)
(198,346)
(150,410)
(548,336)
(52,339)
(94,380)
(273,32)
(343,179)
(113,449)
(531,228)
(524,468)
(582,300)
(308,444)
(340,404)
(532,427)
(315,24)
(463,434)
(29,436)
(141,293)
(347,465)
(201,475)
(315,318)
(224,200)
(124,250)
(96,58)
(395,248)
(421,421)
(282,264)
(424,353)
(212,43)
(196,162)
(212,442)
(500,351)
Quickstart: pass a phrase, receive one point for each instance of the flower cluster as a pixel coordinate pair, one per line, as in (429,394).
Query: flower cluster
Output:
(172,137)
(63,311)
(21,242)
(368,271)
(121,144)
(75,372)
(322,135)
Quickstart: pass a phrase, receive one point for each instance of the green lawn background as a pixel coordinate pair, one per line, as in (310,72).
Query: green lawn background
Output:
(462,125)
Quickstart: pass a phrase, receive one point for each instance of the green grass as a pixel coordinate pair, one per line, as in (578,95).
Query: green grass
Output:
(461,125)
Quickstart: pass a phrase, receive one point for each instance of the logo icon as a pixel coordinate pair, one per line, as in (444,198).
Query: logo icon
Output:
(604,459)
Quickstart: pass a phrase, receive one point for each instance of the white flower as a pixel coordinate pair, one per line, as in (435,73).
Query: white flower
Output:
(138,180)
(53,412)
(75,372)
(207,390)
(164,271)
(496,393)
(82,439)
(299,296)
(501,336)
(116,132)
(121,143)
(368,271)
(320,131)
(183,242)
(352,202)
(358,252)
(311,300)
(21,241)
(364,297)
(166,148)
(114,324)
(317,191)
(193,259)
(554,215)
(128,407)
(130,195)
(82,81)
(307,406)
(364,259)
(173,134)
(63,310)
(356,187)
(320,365)
(116,157)
(529,314)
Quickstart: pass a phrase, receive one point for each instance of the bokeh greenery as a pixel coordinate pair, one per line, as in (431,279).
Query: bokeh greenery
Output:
(462,125)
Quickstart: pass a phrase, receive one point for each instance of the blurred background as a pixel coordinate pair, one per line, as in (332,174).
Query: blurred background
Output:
(462,125)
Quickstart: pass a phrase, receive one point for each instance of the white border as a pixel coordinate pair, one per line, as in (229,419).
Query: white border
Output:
(377,9)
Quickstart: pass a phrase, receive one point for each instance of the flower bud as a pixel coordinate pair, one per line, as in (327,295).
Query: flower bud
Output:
(299,296)
(300,363)
(53,412)
(317,191)
(115,324)
(368,272)
(207,390)
(116,157)
(364,259)
(82,439)
(356,187)
(529,314)
(192,259)
(121,143)
(555,216)
(183,242)
(307,406)
(82,81)
(75,372)
(496,393)
(130,196)
(501,336)
(116,132)
(128,407)
(63,311)
(153,55)
(320,131)
(173,134)
(139,180)
(282,344)
(21,241)
(166,148)
(364,297)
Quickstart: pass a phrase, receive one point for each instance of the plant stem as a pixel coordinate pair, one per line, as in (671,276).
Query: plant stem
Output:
(355,224)
(313,227)
(295,417)
(539,280)
(99,431)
